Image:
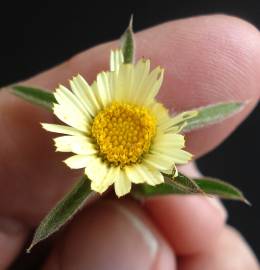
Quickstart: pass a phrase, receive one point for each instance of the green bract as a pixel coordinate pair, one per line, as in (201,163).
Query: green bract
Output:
(63,211)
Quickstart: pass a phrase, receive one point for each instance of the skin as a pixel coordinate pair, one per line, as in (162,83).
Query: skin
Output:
(207,60)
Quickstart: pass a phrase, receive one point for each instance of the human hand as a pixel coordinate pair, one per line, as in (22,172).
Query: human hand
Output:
(207,60)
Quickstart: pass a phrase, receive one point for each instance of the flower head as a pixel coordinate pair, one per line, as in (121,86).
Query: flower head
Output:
(117,130)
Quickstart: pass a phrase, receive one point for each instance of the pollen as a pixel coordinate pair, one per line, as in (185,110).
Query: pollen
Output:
(123,133)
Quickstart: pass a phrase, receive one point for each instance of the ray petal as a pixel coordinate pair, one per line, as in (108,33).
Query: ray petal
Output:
(81,145)
(123,83)
(77,161)
(122,184)
(85,94)
(140,173)
(103,88)
(168,141)
(62,129)
(160,112)
(161,164)
(151,86)
(133,174)
(96,170)
(70,101)
(116,59)
(108,180)
(141,72)
(177,156)
(73,119)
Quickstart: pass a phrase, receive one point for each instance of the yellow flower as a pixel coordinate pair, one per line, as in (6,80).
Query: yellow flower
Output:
(117,130)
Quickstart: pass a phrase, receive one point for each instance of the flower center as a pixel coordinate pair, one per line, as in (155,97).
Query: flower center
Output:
(123,132)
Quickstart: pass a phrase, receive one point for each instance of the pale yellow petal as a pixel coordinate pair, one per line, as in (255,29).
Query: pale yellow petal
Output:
(140,173)
(77,161)
(177,156)
(151,175)
(81,145)
(63,143)
(160,112)
(133,174)
(62,129)
(161,162)
(142,86)
(182,156)
(122,184)
(152,85)
(96,170)
(103,88)
(116,59)
(101,96)
(111,176)
(166,150)
(85,94)
(70,118)
(168,141)
(141,72)
(70,101)
(123,83)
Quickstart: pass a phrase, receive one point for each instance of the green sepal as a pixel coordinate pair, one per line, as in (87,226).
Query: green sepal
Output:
(213,114)
(184,185)
(34,95)
(128,43)
(64,210)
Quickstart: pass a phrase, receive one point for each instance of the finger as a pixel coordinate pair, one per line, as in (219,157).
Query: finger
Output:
(220,63)
(230,251)
(112,235)
(12,238)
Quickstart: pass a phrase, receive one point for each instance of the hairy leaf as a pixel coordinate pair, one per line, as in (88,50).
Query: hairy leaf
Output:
(127,43)
(212,114)
(208,186)
(35,96)
(63,211)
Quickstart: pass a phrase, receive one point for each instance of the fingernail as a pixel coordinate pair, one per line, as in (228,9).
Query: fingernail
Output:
(147,236)
(217,204)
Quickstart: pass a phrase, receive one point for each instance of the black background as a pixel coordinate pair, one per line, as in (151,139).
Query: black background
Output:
(36,36)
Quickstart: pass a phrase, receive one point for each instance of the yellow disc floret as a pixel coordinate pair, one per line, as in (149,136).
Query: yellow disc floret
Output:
(123,132)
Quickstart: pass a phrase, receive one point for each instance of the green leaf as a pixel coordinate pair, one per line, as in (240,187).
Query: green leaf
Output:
(34,95)
(127,43)
(212,114)
(207,186)
(220,188)
(63,211)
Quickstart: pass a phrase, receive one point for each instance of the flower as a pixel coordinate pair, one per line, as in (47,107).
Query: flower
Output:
(117,130)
